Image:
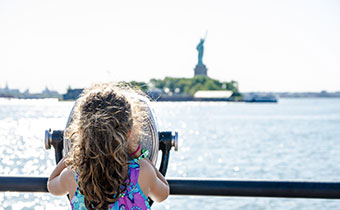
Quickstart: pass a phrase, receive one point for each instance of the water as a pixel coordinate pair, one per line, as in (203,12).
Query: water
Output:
(296,139)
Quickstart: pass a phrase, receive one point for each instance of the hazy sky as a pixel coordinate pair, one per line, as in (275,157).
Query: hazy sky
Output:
(264,45)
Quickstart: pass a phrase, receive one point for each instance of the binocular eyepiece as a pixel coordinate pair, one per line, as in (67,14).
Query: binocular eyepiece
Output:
(53,138)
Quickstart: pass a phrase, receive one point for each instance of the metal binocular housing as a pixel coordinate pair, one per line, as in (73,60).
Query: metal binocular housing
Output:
(151,139)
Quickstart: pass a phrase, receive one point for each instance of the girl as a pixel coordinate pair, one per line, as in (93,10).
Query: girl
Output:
(105,168)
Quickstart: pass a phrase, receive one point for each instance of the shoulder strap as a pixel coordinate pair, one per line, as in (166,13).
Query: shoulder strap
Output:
(76,177)
(134,166)
(133,172)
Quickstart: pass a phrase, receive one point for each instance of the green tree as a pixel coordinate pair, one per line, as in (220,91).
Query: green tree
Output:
(187,86)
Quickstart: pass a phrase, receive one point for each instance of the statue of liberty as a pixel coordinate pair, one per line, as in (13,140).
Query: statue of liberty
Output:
(200,49)
(200,68)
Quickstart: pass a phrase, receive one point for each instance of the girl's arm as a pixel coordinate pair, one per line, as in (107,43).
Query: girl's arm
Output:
(159,188)
(57,182)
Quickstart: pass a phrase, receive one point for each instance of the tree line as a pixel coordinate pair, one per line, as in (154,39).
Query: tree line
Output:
(186,86)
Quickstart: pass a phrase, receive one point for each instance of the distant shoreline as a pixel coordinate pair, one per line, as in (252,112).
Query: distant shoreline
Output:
(187,100)
(74,93)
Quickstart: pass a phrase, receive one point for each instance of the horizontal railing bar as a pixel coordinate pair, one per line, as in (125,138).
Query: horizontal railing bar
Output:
(255,188)
(23,184)
(208,187)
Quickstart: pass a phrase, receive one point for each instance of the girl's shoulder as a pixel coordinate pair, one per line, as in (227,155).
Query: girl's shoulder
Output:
(67,178)
(69,174)
(145,167)
(146,175)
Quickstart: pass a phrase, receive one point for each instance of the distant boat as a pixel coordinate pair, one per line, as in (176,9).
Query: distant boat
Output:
(260,97)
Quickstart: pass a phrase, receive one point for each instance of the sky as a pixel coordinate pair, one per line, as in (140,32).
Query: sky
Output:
(288,45)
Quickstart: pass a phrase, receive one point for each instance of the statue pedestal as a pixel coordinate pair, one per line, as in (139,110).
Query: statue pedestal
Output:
(201,69)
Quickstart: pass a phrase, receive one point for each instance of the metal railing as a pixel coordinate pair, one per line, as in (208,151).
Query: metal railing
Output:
(208,187)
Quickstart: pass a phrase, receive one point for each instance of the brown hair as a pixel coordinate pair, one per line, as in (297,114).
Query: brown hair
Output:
(102,118)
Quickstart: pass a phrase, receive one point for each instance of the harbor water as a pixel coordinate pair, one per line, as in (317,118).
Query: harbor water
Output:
(295,139)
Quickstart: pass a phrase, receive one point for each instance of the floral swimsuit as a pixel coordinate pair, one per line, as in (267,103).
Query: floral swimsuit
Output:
(133,198)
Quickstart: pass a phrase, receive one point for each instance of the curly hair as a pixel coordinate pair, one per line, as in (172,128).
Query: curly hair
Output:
(102,119)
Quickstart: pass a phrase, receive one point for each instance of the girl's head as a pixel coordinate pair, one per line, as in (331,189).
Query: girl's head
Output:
(104,118)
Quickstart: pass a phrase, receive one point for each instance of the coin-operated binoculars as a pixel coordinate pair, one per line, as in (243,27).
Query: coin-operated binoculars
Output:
(151,139)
